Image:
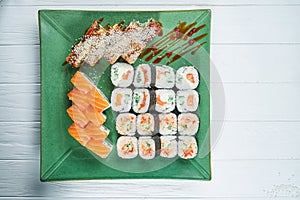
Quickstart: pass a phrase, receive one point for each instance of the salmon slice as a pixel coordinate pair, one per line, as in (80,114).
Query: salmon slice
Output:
(145,72)
(97,100)
(81,82)
(95,132)
(190,77)
(190,100)
(79,99)
(97,118)
(84,135)
(102,149)
(76,132)
(159,101)
(77,116)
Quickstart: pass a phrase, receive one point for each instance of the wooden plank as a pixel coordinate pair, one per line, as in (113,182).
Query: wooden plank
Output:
(20,141)
(243,102)
(256,63)
(20,64)
(255,141)
(150,197)
(268,24)
(134,2)
(20,103)
(234,63)
(236,141)
(264,178)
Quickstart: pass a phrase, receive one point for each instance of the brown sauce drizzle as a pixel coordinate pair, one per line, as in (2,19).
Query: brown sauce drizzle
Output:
(165,46)
(192,50)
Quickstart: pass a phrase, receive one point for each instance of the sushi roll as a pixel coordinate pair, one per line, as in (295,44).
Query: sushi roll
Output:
(121,99)
(187,100)
(127,147)
(187,78)
(126,124)
(146,148)
(187,147)
(167,124)
(188,124)
(168,146)
(165,77)
(142,76)
(122,74)
(145,124)
(165,100)
(141,100)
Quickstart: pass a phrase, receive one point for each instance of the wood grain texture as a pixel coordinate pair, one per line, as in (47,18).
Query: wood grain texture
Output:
(244,63)
(141,2)
(233,179)
(236,141)
(255,49)
(261,27)
(243,102)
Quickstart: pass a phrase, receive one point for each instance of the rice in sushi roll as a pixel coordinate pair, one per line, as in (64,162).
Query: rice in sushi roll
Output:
(168,146)
(141,100)
(165,77)
(187,147)
(121,99)
(127,147)
(167,124)
(187,78)
(145,124)
(126,124)
(165,100)
(122,74)
(187,100)
(188,124)
(146,148)
(142,76)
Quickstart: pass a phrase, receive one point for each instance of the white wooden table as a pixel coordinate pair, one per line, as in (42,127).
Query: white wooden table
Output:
(256,51)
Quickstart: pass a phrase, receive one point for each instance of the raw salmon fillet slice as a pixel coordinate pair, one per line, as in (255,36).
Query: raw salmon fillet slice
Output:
(99,148)
(97,118)
(77,116)
(95,132)
(82,83)
(75,132)
(79,99)
(83,135)
(97,100)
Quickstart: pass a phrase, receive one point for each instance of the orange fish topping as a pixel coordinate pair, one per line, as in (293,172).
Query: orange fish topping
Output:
(190,77)
(190,100)
(159,101)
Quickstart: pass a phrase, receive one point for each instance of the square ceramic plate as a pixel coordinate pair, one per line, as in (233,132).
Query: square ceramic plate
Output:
(63,158)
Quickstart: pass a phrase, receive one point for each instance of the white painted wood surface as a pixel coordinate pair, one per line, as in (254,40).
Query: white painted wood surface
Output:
(256,51)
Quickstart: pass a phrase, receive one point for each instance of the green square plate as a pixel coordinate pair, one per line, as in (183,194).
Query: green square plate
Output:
(63,158)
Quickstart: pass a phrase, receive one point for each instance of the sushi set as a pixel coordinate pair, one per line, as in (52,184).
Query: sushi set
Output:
(132,97)
(147,99)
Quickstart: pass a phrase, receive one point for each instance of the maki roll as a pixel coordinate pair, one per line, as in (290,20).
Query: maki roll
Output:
(145,124)
(146,148)
(188,124)
(127,147)
(187,78)
(121,99)
(122,74)
(165,77)
(187,100)
(167,124)
(142,76)
(141,100)
(168,146)
(187,147)
(165,100)
(126,124)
